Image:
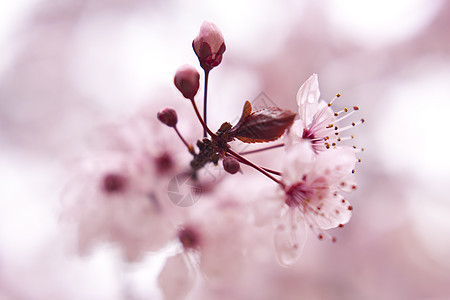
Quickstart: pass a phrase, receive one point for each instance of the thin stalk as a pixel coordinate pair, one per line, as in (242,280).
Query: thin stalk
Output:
(190,148)
(249,163)
(205,100)
(272,171)
(205,128)
(262,149)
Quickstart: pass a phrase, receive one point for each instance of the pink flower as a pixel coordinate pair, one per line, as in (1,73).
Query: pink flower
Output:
(111,200)
(311,196)
(318,124)
(213,242)
(209,46)
(119,192)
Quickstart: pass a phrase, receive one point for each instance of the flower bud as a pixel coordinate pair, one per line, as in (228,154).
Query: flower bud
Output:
(209,46)
(231,165)
(168,116)
(187,81)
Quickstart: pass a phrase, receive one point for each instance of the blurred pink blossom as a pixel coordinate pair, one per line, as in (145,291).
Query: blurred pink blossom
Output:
(312,196)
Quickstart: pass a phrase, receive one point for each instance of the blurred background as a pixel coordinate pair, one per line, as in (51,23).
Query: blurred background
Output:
(69,66)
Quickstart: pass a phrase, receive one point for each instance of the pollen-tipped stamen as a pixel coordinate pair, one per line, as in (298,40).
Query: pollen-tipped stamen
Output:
(332,100)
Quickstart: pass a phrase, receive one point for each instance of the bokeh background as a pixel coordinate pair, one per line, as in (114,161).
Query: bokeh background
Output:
(69,66)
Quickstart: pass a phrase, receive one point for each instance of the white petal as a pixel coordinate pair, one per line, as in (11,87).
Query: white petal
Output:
(175,279)
(294,134)
(299,160)
(335,165)
(267,207)
(308,98)
(333,212)
(290,238)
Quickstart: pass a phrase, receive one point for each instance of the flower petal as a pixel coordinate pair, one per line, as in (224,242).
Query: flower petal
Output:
(335,165)
(308,99)
(334,210)
(290,238)
(175,279)
(298,161)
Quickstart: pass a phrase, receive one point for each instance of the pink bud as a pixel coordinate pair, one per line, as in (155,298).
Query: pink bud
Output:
(231,165)
(168,116)
(209,46)
(187,81)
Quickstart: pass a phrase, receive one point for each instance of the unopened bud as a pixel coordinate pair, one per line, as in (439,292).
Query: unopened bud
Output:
(231,165)
(209,46)
(187,81)
(168,116)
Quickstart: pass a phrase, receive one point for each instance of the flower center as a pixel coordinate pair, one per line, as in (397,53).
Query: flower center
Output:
(307,134)
(297,194)
(114,183)
(164,163)
(189,238)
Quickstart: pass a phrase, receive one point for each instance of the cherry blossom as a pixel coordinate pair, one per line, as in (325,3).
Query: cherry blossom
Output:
(115,194)
(312,197)
(317,122)
(213,243)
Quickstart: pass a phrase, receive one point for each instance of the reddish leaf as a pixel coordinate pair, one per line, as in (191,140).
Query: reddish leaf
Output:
(265,125)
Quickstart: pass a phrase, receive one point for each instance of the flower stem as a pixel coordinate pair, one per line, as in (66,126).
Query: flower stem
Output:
(249,163)
(272,171)
(190,148)
(205,128)
(262,149)
(205,97)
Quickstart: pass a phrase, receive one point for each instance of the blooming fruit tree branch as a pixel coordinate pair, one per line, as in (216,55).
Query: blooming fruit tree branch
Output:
(317,166)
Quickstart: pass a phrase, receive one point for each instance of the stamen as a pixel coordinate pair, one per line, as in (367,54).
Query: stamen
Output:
(345,138)
(345,116)
(341,111)
(332,100)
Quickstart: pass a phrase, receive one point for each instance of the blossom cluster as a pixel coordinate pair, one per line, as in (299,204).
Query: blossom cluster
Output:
(140,192)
